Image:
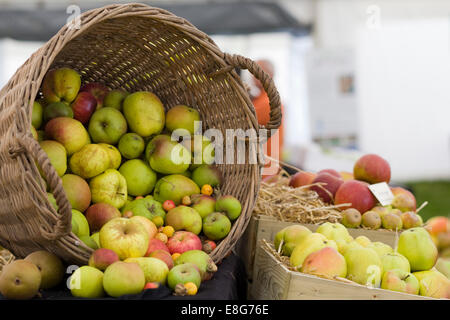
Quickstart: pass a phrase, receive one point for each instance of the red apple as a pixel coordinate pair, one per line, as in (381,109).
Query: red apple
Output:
(84,106)
(100,213)
(302,178)
(372,169)
(183,241)
(209,246)
(168,205)
(98,90)
(403,199)
(102,258)
(164,256)
(155,244)
(331,184)
(151,285)
(437,224)
(357,193)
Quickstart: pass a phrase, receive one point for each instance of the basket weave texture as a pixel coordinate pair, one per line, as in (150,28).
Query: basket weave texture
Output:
(134,47)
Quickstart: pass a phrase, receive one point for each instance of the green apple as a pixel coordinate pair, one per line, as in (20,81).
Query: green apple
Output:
(401,281)
(290,237)
(363,240)
(57,155)
(230,206)
(114,99)
(36,115)
(343,246)
(333,231)
(122,278)
(131,145)
(128,238)
(69,132)
(155,270)
(167,156)
(81,221)
(184,218)
(141,179)
(109,187)
(203,204)
(90,161)
(364,266)
(87,282)
(395,260)
(34,133)
(96,237)
(201,259)
(182,117)
(443,266)
(107,125)
(312,243)
(174,187)
(418,247)
(184,273)
(144,113)
(433,284)
(146,207)
(89,241)
(57,109)
(216,226)
(114,155)
(77,191)
(207,174)
(61,84)
(202,149)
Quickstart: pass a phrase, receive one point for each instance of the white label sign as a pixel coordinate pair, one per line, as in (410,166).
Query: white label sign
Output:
(382,192)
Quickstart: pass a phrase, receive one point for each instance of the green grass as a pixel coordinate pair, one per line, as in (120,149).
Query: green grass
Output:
(437,193)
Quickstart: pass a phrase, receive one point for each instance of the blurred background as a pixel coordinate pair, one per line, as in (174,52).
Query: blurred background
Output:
(355,76)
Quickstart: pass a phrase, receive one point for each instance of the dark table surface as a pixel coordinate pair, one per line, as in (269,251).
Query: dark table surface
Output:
(228,283)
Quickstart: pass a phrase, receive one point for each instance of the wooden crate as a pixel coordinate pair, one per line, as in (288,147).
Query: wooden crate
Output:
(266,227)
(273,281)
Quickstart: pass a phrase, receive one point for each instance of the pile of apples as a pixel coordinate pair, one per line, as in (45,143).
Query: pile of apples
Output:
(136,194)
(340,188)
(332,253)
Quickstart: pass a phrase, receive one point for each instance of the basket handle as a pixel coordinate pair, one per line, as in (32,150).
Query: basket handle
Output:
(64,213)
(268,84)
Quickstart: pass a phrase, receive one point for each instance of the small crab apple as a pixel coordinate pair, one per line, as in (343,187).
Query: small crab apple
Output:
(168,205)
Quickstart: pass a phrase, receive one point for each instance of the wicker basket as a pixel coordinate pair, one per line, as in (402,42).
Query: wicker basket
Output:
(134,47)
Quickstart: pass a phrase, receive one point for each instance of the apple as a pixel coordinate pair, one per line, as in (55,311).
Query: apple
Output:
(151,285)
(87,282)
(401,281)
(50,266)
(312,243)
(90,161)
(392,221)
(333,231)
(216,226)
(36,115)
(418,247)
(168,205)
(443,266)
(184,218)
(203,204)
(382,249)
(363,241)
(183,273)
(364,266)
(83,107)
(57,109)
(102,258)
(144,113)
(61,84)
(395,260)
(290,236)
(411,220)
(372,169)
(301,178)
(114,99)
(437,224)
(77,191)
(182,117)
(35,134)
(81,222)
(20,280)
(403,200)
(327,262)
(69,132)
(433,284)
(155,270)
(126,237)
(371,219)
(146,207)
(357,193)
(230,206)
(351,218)
(202,260)
(154,245)
(183,241)
(330,184)
(346,175)
(109,187)
(107,125)
(122,278)
(131,145)
(141,179)
(164,256)
(100,213)
(97,90)
(208,246)
(57,155)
